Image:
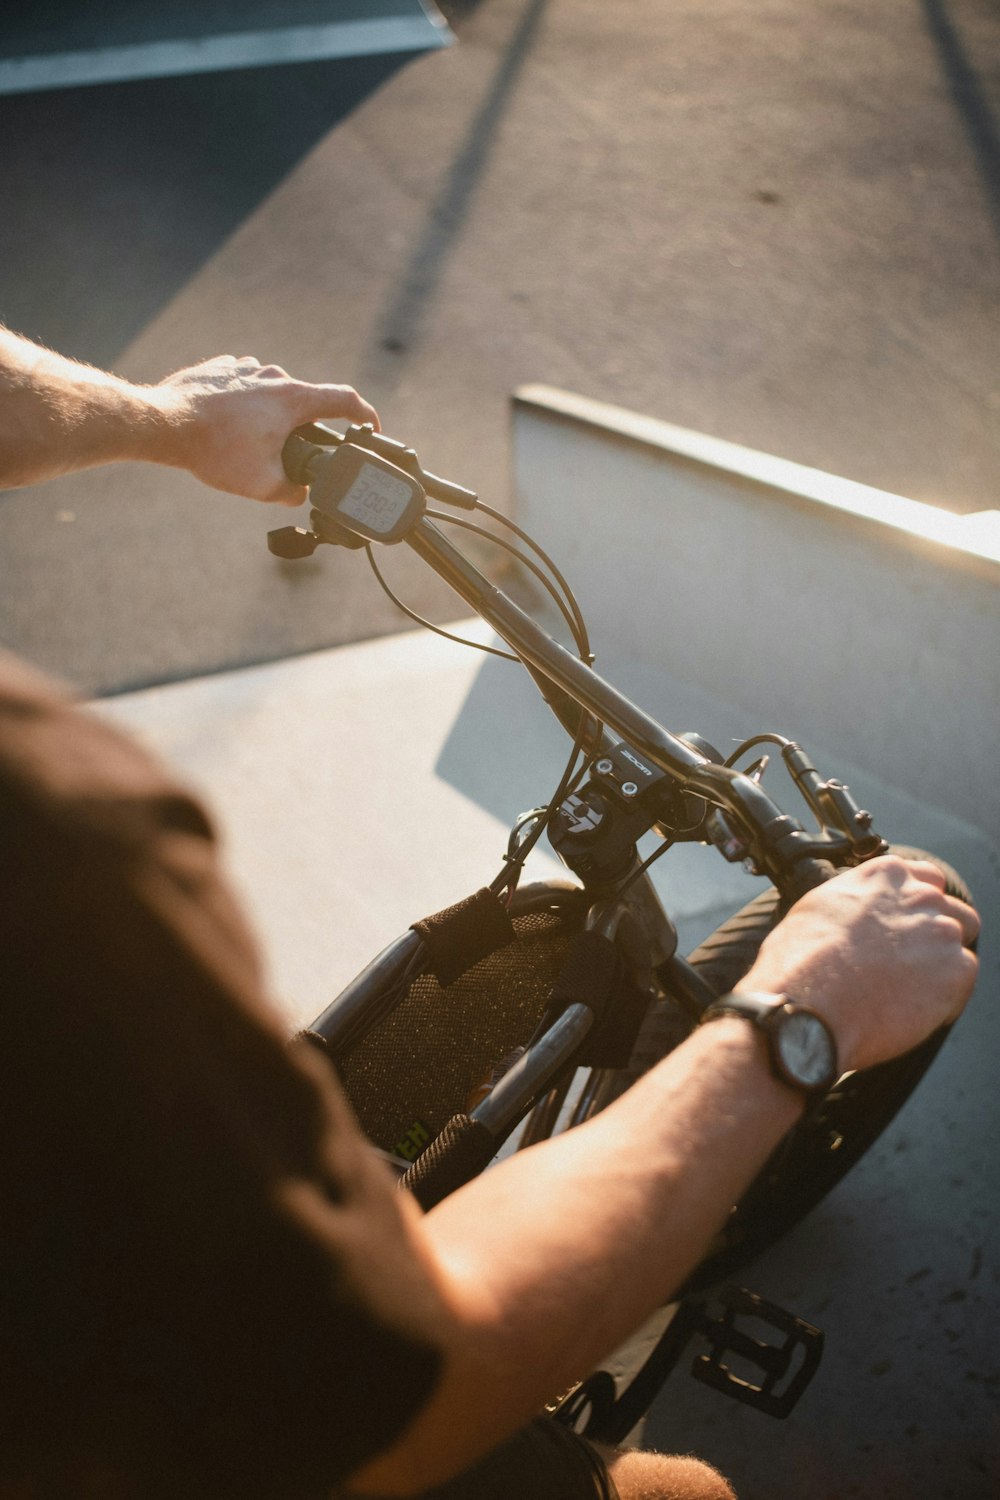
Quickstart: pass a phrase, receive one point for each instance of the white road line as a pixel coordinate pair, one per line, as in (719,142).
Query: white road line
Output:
(243,49)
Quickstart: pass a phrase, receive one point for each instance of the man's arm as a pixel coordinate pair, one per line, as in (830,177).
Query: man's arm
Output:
(225,420)
(551,1258)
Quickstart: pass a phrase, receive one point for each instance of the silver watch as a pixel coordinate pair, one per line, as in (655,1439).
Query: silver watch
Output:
(800,1044)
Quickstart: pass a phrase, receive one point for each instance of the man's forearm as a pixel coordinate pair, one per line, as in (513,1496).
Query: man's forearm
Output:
(554,1256)
(224,420)
(57,416)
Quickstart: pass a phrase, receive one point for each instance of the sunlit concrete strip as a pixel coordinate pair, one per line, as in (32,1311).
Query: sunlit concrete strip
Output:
(822,609)
(977,535)
(210,54)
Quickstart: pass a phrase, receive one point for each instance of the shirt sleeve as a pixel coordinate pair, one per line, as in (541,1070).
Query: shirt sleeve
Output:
(203,1267)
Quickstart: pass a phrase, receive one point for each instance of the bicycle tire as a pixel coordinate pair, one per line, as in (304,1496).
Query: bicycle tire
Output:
(818,1153)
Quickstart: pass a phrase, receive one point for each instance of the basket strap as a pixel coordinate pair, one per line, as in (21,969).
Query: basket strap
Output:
(461,935)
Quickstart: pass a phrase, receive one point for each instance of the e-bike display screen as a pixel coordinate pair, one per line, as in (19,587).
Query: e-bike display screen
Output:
(367,494)
(377,499)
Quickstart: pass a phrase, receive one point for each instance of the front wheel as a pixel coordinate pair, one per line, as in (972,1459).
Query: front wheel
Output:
(821,1150)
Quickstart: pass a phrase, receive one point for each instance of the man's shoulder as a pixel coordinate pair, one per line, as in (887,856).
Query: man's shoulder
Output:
(63,761)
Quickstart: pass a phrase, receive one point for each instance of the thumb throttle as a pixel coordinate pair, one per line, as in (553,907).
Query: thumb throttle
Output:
(292,542)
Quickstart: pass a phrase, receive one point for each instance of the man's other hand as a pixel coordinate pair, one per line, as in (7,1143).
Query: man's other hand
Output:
(880,951)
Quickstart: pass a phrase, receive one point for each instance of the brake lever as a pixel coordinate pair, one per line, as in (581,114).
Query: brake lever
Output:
(832,803)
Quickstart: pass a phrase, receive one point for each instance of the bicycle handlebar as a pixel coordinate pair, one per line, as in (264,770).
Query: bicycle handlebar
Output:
(794,860)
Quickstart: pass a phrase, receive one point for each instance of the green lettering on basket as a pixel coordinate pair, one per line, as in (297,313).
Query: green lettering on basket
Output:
(413,1142)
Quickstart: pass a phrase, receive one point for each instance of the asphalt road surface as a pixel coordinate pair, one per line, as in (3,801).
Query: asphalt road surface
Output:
(770,222)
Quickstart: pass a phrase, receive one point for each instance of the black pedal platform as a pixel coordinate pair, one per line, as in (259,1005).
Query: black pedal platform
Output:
(777,1392)
(599,1410)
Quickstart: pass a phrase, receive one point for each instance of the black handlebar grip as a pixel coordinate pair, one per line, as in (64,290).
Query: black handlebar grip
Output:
(302,447)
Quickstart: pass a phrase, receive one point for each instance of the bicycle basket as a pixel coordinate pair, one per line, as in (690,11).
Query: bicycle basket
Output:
(443,1042)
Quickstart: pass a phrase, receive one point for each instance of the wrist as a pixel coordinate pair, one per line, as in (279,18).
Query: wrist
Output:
(159,421)
(816,991)
(801,1048)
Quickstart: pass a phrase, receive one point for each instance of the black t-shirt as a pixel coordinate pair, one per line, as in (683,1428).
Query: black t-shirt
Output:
(205,1280)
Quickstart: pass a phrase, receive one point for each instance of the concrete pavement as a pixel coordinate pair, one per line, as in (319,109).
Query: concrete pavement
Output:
(771,223)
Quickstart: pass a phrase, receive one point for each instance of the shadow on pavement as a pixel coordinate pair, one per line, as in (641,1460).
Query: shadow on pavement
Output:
(117,194)
(399,325)
(970,99)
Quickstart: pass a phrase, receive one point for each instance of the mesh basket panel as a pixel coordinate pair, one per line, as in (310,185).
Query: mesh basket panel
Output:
(411,1074)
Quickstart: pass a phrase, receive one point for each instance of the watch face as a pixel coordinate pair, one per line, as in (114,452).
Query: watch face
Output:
(806,1049)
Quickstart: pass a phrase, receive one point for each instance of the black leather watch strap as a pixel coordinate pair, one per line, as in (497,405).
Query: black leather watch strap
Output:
(801,1048)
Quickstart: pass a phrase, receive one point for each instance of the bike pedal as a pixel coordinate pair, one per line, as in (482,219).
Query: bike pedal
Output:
(802,1346)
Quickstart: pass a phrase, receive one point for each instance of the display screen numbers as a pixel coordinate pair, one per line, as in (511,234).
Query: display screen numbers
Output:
(376,499)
